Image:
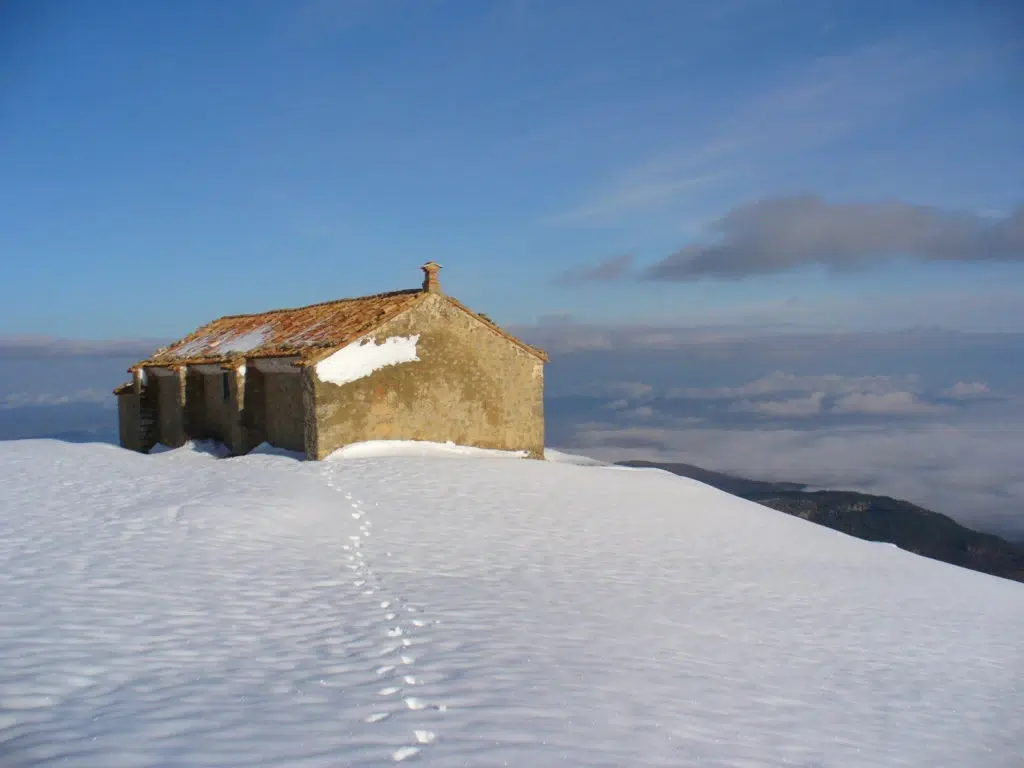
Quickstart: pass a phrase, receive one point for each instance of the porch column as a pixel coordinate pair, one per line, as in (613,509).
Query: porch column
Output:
(174,422)
(310,424)
(237,437)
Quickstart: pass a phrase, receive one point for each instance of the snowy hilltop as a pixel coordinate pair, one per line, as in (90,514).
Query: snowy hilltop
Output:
(451,607)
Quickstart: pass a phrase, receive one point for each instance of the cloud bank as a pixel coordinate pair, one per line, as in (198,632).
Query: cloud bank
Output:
(36,347)
(786,233)
(27,399)
(780,234)
(968,471)
(934,417)
(615,268)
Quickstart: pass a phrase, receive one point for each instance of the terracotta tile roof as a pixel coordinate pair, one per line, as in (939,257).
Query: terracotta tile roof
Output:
(304,332)
(286,332)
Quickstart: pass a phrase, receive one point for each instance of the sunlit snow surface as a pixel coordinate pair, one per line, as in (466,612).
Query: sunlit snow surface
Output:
(456,609)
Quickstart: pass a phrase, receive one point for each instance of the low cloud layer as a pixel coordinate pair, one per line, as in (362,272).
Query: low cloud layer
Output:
(779,382)
(783,397)
(35,347)
(777,396)
(934,417)
(968,471)
(968,389)
(797,407)
(889,404)
(28,399)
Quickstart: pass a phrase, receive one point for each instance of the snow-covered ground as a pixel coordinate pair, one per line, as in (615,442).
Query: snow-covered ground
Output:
(449,608)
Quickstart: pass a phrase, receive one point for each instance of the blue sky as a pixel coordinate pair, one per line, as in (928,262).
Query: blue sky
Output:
(780,238)
(166,163)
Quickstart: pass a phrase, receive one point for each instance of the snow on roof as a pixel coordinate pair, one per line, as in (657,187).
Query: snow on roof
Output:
(259,611)
(226,343)
(286,332)
(357,361)
(303,331)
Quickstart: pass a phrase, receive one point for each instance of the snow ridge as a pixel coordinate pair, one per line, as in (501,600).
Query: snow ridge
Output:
(261,611)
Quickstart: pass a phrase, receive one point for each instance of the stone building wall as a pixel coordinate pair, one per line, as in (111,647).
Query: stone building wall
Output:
(129,418)
(136,418)
(169,389)
(283,421)
(471,385)
(209,414)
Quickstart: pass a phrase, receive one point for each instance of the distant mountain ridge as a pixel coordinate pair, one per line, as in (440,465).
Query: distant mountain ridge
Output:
(869,517)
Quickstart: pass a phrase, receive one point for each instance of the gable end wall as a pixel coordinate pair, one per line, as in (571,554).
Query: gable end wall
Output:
(470,385)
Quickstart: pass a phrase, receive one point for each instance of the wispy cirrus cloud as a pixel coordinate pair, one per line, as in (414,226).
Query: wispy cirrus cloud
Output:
(806,107)
(638,190)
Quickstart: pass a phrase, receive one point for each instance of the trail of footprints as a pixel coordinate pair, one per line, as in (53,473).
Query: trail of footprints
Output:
(397,670)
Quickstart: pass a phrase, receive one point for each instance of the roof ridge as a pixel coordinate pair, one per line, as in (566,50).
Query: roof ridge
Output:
(384,295)
(305,331)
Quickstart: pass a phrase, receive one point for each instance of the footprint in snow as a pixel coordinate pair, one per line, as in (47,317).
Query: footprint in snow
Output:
(420,737)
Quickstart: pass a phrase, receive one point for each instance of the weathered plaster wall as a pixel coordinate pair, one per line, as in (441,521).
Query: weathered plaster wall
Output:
(137,419)
(129,421)
(470,385)
(148,426)
(208,414)
(282,410)
(254,409)
(310,426)
(169,387)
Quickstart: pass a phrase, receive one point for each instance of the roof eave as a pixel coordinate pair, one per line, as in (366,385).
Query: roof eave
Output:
(535,351)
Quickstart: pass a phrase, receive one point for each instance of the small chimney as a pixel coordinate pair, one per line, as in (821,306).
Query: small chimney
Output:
(431,282)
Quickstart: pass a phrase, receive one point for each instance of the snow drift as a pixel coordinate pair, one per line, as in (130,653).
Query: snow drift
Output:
(452,608)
